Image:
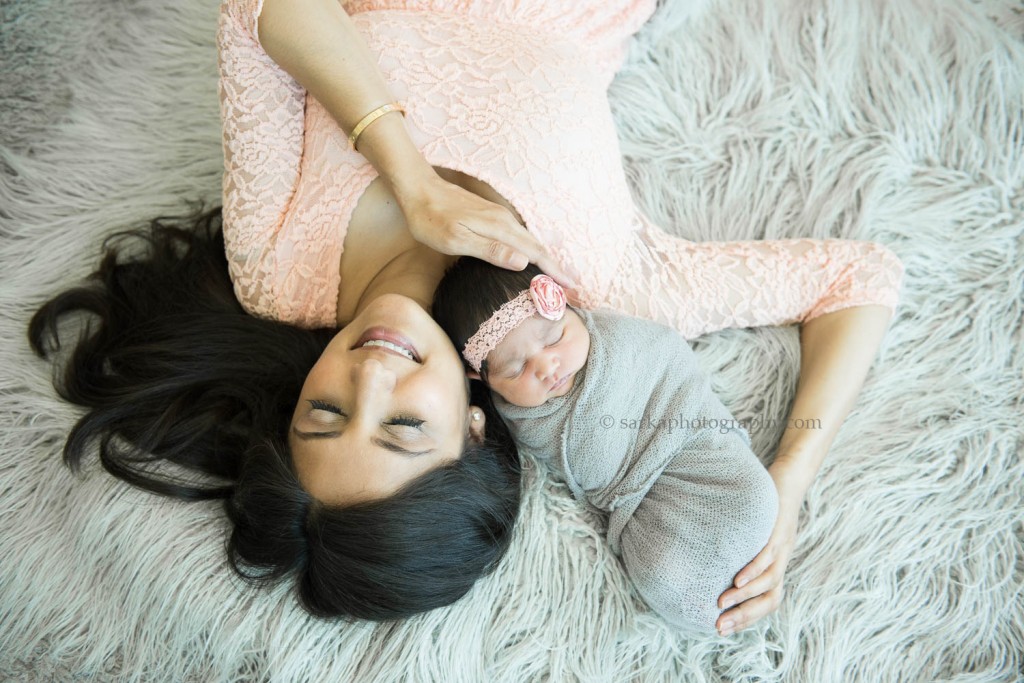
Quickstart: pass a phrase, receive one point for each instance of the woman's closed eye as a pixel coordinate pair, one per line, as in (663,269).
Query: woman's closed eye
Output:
(398,420)
(407,421)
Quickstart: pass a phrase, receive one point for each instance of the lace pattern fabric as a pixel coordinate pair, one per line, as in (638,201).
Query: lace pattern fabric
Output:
(602,28)
(702,287)
(514,94)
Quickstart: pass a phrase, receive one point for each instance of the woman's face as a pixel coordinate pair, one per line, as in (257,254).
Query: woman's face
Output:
(387,401)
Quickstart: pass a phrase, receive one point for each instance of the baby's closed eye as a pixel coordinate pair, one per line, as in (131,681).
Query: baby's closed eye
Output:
(557,337)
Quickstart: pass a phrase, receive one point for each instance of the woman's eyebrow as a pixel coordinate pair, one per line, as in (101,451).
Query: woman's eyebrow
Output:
(376,441)
(394,447)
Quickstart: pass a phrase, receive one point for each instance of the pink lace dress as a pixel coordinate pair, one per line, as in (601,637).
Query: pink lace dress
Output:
(513,93)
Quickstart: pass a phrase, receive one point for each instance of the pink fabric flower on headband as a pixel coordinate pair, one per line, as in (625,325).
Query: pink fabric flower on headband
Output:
(545,296)
(548,297)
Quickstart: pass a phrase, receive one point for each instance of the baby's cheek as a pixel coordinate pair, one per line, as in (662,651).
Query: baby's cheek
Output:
(579,353)
(521,393)
(504,389)
(515,392)
(538,394)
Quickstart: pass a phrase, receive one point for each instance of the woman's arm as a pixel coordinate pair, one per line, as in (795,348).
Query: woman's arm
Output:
(842,292)
(837,351)
(702,287)
(262,109)
(318,44)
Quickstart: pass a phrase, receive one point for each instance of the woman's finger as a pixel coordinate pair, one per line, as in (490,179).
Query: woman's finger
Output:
(550,266)
(756,566)
(452,220)
(762,584)
(750,611)
(499,254)
(515,236)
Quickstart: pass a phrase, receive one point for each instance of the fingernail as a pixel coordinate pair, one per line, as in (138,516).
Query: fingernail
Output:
(727,627)
(728,603)
(741,582)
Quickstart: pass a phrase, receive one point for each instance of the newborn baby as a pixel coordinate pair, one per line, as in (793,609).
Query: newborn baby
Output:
(621,410)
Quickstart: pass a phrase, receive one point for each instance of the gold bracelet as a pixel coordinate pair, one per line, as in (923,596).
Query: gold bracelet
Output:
(370,118)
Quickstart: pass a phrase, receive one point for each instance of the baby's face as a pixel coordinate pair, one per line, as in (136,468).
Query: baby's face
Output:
(539,359)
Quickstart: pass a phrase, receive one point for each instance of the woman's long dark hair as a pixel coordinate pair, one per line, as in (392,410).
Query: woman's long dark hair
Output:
(175,371)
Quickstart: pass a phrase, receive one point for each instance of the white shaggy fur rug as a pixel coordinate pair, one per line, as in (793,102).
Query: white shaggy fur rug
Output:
(900,121)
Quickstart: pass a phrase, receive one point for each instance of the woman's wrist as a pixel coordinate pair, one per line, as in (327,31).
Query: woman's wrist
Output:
(791,478)
(386,144)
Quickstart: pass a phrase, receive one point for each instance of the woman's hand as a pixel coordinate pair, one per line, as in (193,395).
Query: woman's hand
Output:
(757,587)
(454,221)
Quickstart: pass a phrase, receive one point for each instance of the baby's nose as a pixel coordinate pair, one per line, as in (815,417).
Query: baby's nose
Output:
(549,364)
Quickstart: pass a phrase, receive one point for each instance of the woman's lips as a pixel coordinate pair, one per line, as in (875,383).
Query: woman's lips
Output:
(388,335)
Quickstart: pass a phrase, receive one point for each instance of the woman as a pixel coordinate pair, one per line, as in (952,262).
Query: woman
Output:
(357,474)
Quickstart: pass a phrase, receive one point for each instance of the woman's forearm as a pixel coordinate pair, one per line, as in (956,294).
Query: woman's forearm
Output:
(837,349)
(316,42)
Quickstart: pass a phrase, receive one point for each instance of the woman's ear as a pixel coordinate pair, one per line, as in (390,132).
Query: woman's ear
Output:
(477,419)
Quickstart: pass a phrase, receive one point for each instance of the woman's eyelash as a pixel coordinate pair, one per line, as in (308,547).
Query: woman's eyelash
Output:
(320,405)
(407,421)
(403,420)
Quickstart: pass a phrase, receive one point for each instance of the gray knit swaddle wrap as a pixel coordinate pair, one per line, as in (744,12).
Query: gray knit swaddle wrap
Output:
(641,436)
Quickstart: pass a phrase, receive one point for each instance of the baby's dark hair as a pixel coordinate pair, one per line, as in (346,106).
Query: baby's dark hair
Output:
(470,292)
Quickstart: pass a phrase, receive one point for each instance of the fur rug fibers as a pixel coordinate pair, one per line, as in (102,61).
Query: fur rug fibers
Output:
(900,121)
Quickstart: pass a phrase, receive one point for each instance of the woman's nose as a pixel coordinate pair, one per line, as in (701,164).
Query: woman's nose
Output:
(373,385)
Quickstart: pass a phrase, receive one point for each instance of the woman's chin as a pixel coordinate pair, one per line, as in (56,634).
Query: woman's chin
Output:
(392,310)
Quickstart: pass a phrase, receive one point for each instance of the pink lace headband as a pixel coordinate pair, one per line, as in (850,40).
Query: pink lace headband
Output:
(544,296)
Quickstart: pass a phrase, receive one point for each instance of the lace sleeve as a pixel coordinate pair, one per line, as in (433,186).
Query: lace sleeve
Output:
(702,287)
(262,111)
